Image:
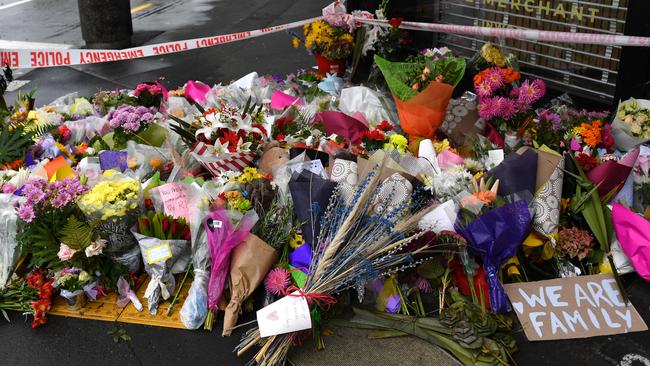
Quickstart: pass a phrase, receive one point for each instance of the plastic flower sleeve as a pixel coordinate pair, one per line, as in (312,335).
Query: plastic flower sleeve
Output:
(225,230)
(9,251)
(495,236)
(159,257)
(633,233)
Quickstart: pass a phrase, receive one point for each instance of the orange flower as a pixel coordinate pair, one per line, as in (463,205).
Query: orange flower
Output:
(486,197)
(590,133)
(510,75)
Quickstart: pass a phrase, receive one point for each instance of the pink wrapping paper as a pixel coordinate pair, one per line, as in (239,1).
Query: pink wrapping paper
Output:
(633,233)
(280,100)
(447,159)
(613,174)
(195,91)
(341,124)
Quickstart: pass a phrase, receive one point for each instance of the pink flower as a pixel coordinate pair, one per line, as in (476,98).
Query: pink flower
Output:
(494,77)
(26,212)
(65,252)
(484,89)
(529,93)
(489,108)
(508,108)
(423,285)
(277,281)
(8,188)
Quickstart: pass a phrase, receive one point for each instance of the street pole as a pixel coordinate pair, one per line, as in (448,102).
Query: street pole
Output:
(106,24)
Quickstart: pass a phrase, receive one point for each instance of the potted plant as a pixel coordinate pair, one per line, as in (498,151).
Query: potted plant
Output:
(331,45)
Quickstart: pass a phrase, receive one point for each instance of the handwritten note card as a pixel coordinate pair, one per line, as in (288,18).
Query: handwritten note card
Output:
(289,314)
(175,198)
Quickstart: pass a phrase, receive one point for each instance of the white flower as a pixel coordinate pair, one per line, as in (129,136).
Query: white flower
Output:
(95,248)
(218,148)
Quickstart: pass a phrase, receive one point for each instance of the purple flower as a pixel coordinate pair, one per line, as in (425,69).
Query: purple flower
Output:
(508,108)
(393,304)
(489,108)
(26,213)
(423,285)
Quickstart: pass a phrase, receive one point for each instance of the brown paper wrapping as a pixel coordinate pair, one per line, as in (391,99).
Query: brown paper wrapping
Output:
(251,261)
(423,114)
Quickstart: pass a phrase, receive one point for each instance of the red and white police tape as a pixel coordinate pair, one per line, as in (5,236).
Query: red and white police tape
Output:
(521,34)
(43,57)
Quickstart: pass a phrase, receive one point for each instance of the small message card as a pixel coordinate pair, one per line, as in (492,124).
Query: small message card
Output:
(159,253)
(289,314)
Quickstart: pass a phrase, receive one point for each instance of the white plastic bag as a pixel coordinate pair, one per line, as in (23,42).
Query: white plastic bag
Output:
(9,251)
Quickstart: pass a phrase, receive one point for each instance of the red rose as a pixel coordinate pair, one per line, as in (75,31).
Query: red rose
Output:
(395,22)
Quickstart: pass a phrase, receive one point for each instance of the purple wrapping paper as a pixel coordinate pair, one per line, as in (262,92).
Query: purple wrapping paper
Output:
(495,237)
(301,258)
(517,173)
(113,159)
(343,125)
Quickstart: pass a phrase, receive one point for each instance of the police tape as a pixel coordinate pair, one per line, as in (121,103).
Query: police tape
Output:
(519,34)
(43,57)
(36,57)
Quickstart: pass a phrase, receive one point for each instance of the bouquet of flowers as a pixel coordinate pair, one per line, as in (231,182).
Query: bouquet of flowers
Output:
(31,295)
(331,45)
(128,121)
(504,103)
(114,204)
(73,284)
(150,94)
(225,230)
(43,215)
(358,241)
(422,87)
(162,240)
(631,126)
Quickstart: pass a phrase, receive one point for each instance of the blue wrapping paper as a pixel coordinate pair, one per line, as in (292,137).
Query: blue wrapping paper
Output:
(113,160)
(495,237)
(301,257)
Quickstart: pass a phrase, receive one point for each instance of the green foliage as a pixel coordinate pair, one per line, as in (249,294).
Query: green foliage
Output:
(186,131)
(76,234)
(400,76)
(13,144)
(119,334)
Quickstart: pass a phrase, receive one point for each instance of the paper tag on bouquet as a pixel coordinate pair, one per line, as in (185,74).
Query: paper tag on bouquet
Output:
(494,158)
(289,314)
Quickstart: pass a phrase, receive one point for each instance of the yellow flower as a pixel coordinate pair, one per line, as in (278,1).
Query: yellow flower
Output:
(441,146)
(296,241)
(296,42)
(249,175)
(397,142)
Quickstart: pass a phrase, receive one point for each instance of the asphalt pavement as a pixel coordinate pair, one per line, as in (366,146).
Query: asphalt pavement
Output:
(72,342)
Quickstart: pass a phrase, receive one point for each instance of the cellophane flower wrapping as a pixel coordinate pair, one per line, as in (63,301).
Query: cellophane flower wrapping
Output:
(114,204)
(495,237)
(225,230)
(162,282)
(9,251)
(195,308)
(630,120)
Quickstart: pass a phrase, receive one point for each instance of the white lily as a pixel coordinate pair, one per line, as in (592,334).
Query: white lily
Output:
(218,148)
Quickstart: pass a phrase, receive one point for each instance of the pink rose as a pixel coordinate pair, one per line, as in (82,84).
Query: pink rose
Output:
(65,252)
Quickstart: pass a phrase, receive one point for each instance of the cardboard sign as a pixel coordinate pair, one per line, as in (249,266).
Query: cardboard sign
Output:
(175,197)
(289,314)
(574,307)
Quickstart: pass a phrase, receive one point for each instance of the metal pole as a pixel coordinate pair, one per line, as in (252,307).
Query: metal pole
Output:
(106,24)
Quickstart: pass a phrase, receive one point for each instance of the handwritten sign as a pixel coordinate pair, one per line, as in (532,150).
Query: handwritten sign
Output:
(175,197)
(575,307)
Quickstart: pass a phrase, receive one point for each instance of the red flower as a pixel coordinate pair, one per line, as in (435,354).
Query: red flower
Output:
(41,306)
(35,279)
(280,137)
(481,288)
(586,162)
(231,138)
(39,321)
(395,22)
(606,138)
(385,126)
(45,292)
(374,135)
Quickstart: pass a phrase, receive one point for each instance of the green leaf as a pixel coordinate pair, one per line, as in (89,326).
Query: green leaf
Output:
(4,313)
(76,234)
(13,144)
